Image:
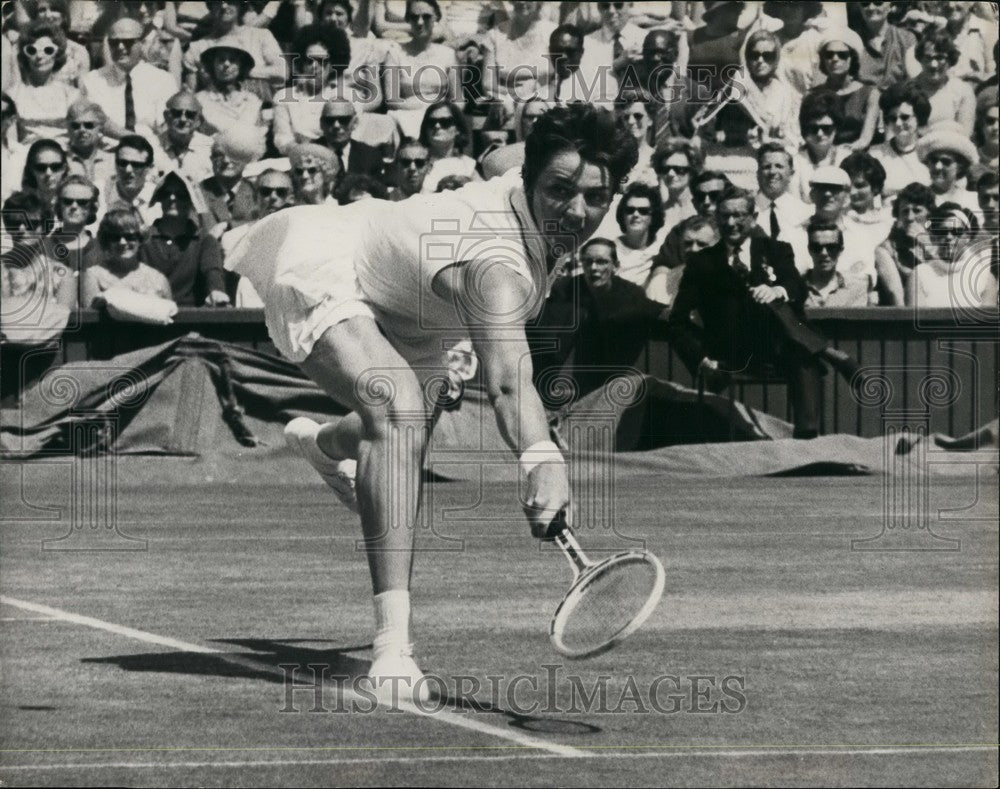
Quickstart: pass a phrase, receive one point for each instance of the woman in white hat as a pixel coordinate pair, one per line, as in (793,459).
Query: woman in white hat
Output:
(840,61)
(949,153)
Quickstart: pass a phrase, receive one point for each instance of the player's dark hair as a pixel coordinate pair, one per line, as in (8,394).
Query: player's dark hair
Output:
(591,131)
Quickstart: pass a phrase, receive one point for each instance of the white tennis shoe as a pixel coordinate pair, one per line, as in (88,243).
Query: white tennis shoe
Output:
(300,434)
(395,676)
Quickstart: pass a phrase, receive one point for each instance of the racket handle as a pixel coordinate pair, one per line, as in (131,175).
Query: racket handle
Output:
(556,526)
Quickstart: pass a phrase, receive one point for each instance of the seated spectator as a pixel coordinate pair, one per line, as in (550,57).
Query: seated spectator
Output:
(770,101)
(905,109)
(640,218)
(825,285)
(85,151)
(668,265)
(225,26)
(339,121)
(778,209)
(819,119)
(322,54)
(883,55)
(368,53)
(225,103)
(419,72)
(189,258)
(42,98)
(987,139)
(802,27)
(131,92)
(314,173)
(949,154)
(517,52)
(564,80)
(182,147)
(602,319)
(274,191)
(229,197)
(131,186)
(12,151)
(354,187)
(908,244)
(944,281)
(951,98)
(676,163)
(868,219)
(57,12)
(637,119)
(71,244)
(409,170)
(121,269)
(614,45)
(29,276)
(44,169)
(971,35)
(445,133)
(840,61)
(989,200)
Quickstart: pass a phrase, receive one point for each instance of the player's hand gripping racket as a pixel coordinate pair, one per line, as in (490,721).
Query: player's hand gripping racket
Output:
(608,601)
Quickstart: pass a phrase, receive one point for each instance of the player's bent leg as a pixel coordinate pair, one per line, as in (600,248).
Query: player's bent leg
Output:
(303,435)
(359,368)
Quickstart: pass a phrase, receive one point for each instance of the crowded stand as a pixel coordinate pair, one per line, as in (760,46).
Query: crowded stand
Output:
(141,139)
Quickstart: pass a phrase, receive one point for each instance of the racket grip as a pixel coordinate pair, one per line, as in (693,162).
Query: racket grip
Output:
(555,527)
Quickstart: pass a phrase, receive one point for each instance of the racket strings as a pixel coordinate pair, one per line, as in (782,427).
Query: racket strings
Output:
(609,602)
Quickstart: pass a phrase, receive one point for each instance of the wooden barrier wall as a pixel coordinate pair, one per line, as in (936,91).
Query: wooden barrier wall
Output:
(933,367)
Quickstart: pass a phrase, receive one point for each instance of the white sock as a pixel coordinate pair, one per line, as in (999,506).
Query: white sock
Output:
(392,622)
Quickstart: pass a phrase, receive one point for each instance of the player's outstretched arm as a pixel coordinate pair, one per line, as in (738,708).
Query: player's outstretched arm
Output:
(503,300)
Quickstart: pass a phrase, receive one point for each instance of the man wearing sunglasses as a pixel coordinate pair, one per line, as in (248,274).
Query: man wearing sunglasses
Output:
(615,44)
(134,181)
(410,170)
(85,152)
(182,147)
(339,122)
(131,92)
(826,286)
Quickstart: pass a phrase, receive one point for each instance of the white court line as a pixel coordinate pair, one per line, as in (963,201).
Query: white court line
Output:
(672,753)
(444,716)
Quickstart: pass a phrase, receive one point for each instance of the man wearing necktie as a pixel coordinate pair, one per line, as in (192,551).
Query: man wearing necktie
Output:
(778,210)
(749,296)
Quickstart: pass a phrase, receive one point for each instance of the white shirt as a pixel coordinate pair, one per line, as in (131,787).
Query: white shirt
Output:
(789,209)
(151,89)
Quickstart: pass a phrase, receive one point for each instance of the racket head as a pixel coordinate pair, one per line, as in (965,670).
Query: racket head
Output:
(606,604)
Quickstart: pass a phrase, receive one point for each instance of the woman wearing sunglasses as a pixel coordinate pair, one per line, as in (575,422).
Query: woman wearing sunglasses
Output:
(819,119)
(129,289)
(419,71)
(445,133)
(840,61)
(639,122)
(640,217)
(45,168)
(949,154)
(947,280)
(41,97)
(769,99)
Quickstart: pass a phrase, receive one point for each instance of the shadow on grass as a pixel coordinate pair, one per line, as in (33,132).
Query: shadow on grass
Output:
(333,665)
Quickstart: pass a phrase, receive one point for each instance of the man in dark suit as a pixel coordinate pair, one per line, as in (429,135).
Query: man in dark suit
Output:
(602,319)
(339,120)
(749,297)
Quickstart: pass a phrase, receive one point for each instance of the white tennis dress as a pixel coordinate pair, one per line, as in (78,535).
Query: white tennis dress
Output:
(315,266)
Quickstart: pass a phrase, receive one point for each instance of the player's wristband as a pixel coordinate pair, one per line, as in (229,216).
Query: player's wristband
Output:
(540,452)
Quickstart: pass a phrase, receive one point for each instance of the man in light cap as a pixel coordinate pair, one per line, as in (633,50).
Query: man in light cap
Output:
(182,148)
(314,171)
(228,195)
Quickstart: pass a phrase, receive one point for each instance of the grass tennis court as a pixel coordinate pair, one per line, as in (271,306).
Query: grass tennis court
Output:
(162,667)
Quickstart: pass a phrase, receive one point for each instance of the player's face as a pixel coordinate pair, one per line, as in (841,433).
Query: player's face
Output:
(571,196)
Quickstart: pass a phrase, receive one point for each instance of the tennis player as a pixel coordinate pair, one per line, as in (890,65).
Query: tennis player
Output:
(368,298)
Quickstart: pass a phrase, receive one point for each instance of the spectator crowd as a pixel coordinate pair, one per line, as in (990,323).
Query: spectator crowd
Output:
(141,139)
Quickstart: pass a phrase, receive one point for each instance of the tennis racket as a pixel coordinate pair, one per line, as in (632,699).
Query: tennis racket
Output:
(608,600)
